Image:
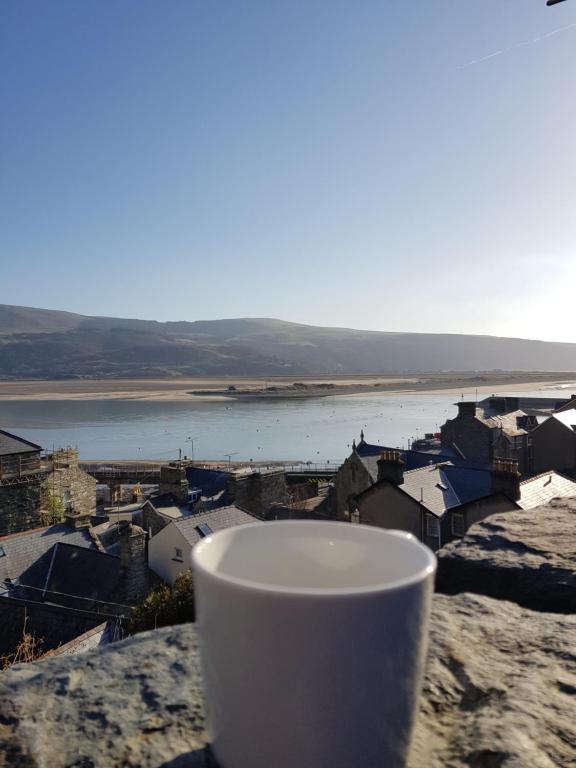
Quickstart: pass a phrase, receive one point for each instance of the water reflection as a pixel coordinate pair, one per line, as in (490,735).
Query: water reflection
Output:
(308,430)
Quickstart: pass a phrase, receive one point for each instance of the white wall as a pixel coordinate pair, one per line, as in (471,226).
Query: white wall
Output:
(162,553)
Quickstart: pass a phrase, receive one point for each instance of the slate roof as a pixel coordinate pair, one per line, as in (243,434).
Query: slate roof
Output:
(216,519)
(469,482)
(24,551)
(10,444)
(444,485)
(431,486)
(369,455)
(543,488)
(89,574)
(567,418)
(507,422)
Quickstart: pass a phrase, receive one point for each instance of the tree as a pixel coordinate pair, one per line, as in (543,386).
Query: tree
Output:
(54,509)
(164,606)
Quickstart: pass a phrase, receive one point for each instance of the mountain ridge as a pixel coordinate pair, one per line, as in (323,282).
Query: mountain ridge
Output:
(43,343)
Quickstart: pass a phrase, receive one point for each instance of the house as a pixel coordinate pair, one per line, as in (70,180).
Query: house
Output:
(484,434)
(170,549)
(553,443)
(57,582)
(21,475)
(38,491)
(523,494)
(67,489)
(360,471)
(528,404)
(420,500)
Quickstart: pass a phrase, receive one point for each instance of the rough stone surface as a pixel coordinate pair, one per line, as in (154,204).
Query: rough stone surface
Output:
(527,556)
(70,484)
(500,687)
(20,506)
(500,691)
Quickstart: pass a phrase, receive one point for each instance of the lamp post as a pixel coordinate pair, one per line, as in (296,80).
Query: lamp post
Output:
(554,2)
(191,441)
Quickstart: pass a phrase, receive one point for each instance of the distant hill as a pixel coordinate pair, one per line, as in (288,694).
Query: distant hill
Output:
(42,343)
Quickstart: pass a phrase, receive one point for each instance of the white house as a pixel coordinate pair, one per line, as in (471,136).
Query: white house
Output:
(170,549)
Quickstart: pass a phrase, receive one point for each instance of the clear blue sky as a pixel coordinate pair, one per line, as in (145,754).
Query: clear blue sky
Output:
(322,161)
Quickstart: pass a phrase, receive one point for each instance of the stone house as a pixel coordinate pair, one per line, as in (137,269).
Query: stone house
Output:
(421,501)
(553,444)
(38,491)
(21,474)
(67,489)
(482,435)
(360,470)
(506,480)
(169,551)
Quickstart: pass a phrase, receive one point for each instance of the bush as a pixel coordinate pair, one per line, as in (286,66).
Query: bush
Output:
(165,606)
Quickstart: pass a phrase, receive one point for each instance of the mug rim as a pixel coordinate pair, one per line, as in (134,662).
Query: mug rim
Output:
(260,586)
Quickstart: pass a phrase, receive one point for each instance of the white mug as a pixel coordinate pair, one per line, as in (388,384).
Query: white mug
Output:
(312,642)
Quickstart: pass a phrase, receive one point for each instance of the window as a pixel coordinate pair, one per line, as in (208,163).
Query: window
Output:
(432,527)
(204,529)
(458,525)
(178,554)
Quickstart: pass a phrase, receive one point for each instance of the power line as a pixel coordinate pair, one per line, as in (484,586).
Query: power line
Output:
(18,583)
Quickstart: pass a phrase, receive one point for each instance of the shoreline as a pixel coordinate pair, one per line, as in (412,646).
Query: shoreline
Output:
(257,390)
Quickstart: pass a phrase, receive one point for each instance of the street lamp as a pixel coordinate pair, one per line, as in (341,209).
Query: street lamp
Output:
(191,441)
(554,2)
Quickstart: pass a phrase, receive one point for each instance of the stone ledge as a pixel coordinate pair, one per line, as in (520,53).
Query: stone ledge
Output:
(500,691)
(528,557)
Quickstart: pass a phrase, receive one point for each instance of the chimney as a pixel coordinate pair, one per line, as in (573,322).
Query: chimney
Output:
(506,478)
(76,520)
(466,408)
(133,566)
(391,467)
(173,480)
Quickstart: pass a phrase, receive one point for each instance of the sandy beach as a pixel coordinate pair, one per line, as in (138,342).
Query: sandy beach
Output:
(214,389)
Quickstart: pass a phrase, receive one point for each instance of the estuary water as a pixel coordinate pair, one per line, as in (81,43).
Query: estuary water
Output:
(315,429)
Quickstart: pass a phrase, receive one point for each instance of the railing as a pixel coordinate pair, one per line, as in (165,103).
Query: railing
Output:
(114,469)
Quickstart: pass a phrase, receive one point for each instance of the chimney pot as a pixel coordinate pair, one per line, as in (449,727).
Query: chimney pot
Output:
(391,467)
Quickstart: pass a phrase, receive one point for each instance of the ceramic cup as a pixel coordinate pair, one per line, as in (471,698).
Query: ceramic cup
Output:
(312,641)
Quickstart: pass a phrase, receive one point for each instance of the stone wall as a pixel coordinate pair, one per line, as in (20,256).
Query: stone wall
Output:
(527,556)
(351,479)
(20,507)
(499,690)
(50,624)
(257,491)
(471,436)
(74,488)
(133,562)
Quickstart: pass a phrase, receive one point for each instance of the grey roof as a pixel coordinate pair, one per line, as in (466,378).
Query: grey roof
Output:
(431,486)
(10,444)
(507,422)
(369,455)
(449,482)
(23,552)
(90,575)
(216,519)
(543,488)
